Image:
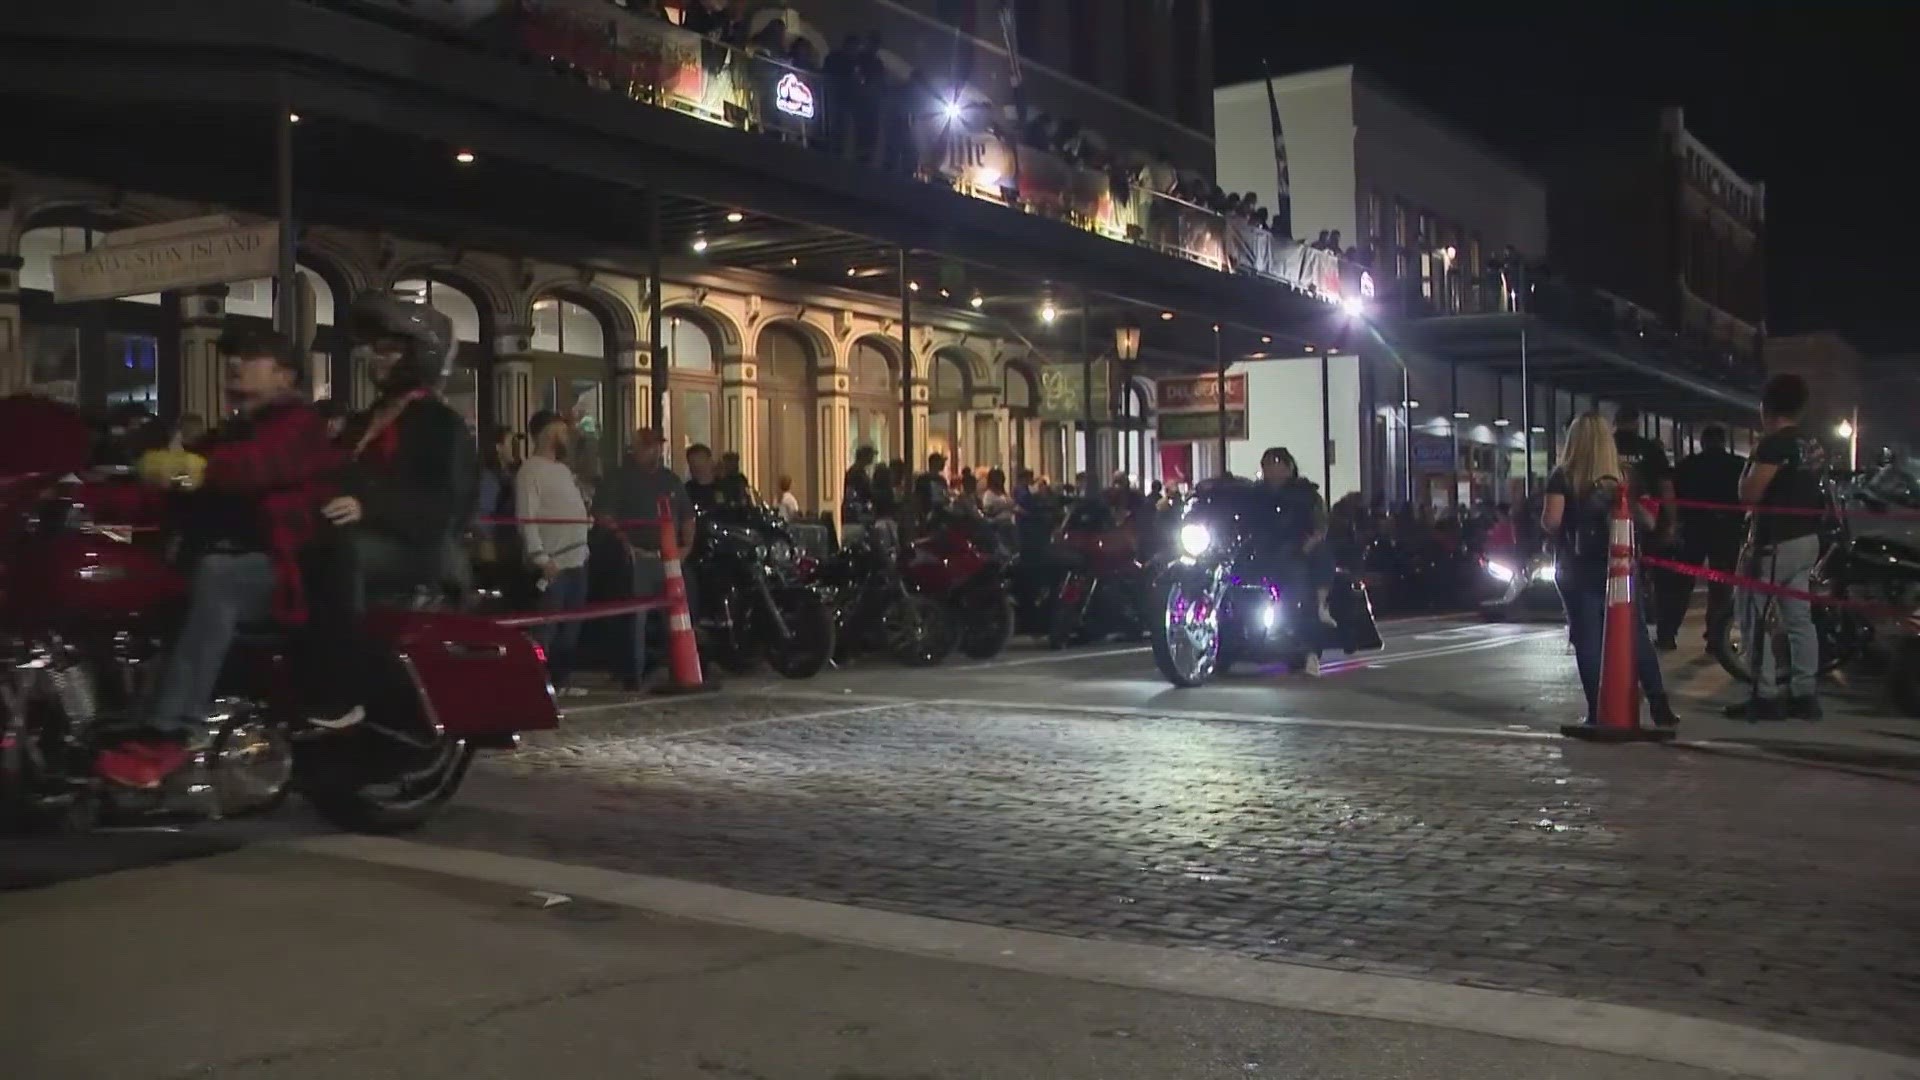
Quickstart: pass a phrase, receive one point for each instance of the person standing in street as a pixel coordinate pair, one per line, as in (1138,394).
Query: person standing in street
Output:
(1783,486)
(633,493)
(1709,538)
(553,533)
(1648,475)
(1578,518)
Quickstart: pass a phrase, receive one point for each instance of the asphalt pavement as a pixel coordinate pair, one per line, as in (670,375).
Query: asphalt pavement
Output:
(1049,865)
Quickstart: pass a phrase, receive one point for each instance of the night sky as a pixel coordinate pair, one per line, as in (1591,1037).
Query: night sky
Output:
(1817,99)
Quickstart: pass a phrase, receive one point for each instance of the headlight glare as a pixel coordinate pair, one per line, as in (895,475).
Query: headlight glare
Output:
(1195,539)
(1500,571)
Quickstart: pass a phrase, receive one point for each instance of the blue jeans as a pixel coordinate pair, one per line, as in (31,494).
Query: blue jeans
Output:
(1586,604)
(566,592)
(1787,563)
(228,590)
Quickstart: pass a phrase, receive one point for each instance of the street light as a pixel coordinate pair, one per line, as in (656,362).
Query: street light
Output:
(1850,431)
(1048,312)
(1126,341)
(1354,306)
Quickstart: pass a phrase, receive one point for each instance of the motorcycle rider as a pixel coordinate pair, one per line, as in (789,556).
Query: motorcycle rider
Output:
(1295,535)
(253,513)
(407,495)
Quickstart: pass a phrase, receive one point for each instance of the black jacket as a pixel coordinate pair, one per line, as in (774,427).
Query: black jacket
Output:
(423,495)
(1711,476)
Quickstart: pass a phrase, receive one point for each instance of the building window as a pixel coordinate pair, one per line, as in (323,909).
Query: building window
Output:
(562,326)
(689,347)
(448,300)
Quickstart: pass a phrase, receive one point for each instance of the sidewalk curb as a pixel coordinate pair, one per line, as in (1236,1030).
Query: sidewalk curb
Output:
(1591,1026)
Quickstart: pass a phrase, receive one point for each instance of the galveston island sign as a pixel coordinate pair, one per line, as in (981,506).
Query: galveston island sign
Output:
(178,255)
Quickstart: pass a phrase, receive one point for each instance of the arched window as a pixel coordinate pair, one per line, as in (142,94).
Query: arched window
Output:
(786,388)
(694,390)
(874,400)
(1017,391)
(256,298)
(463,383)
(947,399)
(689,346)
(562,326)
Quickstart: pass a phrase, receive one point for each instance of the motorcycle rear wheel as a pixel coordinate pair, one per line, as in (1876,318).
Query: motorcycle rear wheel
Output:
(919,631)
(1729,647)
(350,786)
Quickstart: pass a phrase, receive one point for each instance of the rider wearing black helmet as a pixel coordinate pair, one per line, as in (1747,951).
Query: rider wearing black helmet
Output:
(409,492)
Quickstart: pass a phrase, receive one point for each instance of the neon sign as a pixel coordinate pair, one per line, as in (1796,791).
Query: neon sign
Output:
(793,97)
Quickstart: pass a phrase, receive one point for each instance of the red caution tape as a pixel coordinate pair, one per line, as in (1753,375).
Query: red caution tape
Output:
(1768,588)
(624,523)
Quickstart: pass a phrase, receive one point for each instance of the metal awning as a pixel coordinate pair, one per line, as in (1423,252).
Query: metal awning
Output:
(183,103)
(1624,367)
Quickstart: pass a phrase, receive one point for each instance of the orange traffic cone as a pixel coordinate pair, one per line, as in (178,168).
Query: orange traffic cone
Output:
(683,649)
(1619,705)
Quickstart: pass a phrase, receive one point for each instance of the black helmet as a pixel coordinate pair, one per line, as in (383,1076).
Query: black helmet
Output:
(375,316)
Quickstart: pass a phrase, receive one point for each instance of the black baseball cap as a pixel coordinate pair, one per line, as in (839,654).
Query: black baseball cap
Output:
(248,343)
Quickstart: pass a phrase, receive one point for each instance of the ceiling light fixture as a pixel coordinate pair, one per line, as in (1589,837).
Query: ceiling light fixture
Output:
(913,286)
(1265,339)
(1501,421)
(978,301)
(1463,416)
(293,118)
(1166,316)
(736,218)
(794,261)
(1048,312)
(1413,403)
(464,157)
(699,243)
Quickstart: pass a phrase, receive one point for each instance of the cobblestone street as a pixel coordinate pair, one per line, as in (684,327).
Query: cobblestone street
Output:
(1753,892)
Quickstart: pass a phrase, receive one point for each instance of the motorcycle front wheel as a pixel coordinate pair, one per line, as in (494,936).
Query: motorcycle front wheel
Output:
(1186,635)
(918,631)
(811,624)
(985,627)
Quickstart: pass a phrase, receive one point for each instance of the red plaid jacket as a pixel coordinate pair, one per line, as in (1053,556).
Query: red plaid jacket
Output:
(284,462)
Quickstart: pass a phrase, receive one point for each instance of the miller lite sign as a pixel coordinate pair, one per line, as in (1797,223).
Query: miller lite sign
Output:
(793,97)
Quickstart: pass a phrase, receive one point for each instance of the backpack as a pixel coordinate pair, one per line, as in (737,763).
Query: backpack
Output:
(1589,523)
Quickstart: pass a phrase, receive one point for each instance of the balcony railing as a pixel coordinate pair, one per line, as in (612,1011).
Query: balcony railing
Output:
(657,63)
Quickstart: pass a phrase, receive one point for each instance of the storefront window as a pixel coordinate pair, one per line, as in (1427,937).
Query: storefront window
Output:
(256,298)
(562,326)
(53,362)
(449,301)
(132,369)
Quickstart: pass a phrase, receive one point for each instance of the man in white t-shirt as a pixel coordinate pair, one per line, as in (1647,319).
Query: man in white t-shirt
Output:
(553,531)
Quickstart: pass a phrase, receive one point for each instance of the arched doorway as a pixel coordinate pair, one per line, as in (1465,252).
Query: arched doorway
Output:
(1018,392)
(1138,447)
(949,395)
(693,398)
(570,367)
(470,331)
(786,363)
(873,400)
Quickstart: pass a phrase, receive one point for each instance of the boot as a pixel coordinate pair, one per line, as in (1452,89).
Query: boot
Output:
(1662,712)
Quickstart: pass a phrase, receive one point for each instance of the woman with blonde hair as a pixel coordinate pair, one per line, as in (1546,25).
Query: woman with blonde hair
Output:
(1578,518)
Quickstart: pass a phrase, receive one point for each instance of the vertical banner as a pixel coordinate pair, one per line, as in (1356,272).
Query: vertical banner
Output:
(1010,32)
(1283,193)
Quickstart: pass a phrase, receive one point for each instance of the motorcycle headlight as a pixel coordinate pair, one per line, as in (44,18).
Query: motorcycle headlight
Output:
(1195,539)
(1543,572)
(1500,571)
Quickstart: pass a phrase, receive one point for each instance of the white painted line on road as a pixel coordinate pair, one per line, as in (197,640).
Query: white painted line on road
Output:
(1387,659)
(1062,656)
(1584,1025)
(1216,716)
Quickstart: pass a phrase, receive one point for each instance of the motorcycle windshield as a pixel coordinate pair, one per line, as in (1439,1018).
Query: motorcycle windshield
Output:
(42,436)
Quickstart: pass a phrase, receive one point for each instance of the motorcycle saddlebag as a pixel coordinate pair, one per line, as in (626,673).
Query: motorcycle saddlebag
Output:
(478,679)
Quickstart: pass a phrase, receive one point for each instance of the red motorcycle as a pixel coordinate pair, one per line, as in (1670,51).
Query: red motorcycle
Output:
(1104,585)
(88,600)
(964,566)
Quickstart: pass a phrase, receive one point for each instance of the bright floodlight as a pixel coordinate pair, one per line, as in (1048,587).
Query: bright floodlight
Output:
(951,110)
(1049,313)
(1845,430)
(1354,307)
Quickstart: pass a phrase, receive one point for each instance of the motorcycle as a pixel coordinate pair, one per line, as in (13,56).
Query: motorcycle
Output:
(88,601)
(1104,586)
(1216,607)
(754,604)
(1527,588)
(962,563)
(1854,565)
(878,608)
